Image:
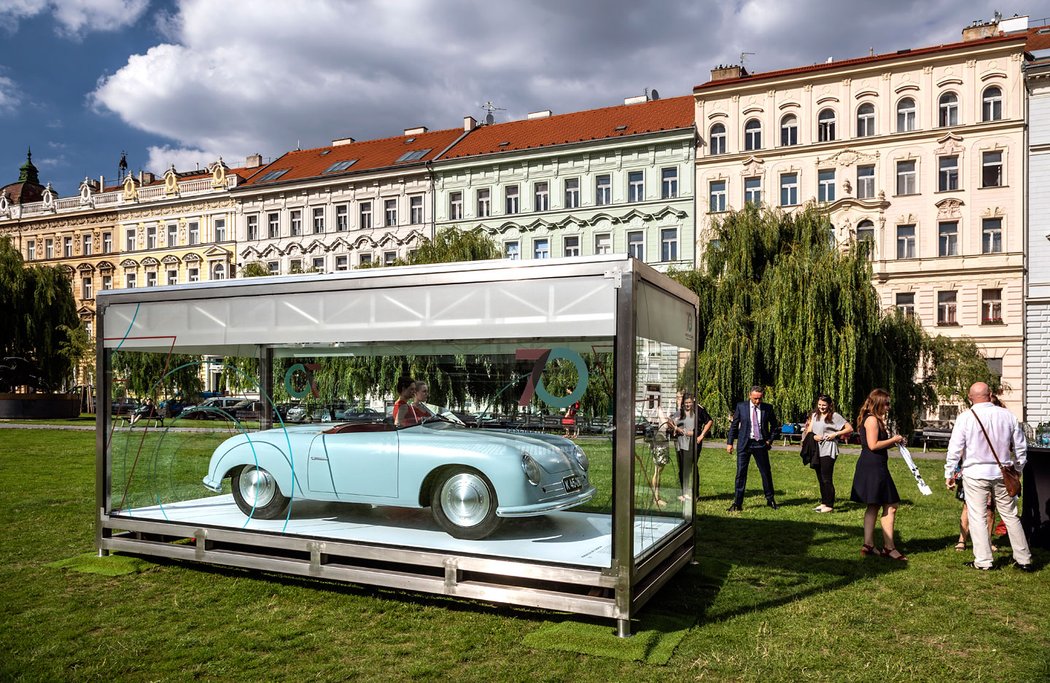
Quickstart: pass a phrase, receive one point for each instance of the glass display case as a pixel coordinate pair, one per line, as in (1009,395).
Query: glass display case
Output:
(493,430)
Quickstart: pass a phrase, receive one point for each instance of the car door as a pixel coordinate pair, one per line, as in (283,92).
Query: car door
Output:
(355,465)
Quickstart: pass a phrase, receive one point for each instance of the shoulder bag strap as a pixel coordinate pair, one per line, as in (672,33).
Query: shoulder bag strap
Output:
(981,424)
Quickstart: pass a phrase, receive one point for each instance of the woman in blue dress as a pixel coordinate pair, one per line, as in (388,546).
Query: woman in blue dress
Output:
(872,483)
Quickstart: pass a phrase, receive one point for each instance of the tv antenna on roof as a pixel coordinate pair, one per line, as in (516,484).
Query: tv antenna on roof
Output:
(744,55)
(489,107)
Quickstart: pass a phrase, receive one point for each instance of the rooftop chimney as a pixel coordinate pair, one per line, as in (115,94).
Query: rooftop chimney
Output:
(539,114)
(418,130)
(253,161)
(342,141)
(637,99)
(980,29)
(725,72)
(469,123)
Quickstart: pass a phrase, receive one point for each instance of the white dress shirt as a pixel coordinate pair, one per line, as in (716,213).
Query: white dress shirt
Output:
(968,443)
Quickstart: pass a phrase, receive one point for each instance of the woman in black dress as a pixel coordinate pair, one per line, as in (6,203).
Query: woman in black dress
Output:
(872,483)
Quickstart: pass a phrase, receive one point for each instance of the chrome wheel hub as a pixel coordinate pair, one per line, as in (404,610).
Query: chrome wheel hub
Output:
(257,487)
(465,500)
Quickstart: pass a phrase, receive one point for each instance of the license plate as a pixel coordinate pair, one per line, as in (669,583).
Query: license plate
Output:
(572,483)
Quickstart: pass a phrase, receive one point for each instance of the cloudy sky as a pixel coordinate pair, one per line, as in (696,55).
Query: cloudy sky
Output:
(183,81)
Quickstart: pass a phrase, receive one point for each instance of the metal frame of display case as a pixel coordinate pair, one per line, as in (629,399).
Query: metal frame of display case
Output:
(616,592)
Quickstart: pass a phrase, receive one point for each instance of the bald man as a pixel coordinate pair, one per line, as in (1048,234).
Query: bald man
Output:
(981,477)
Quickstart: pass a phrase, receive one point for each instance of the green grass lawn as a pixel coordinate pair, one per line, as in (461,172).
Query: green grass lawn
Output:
(777,596)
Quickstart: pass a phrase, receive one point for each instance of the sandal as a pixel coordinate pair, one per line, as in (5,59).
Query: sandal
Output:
(960,546)
(660,502)
(888,553)
(866,550)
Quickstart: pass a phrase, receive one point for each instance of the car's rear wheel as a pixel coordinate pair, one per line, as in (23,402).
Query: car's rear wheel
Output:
(257,494)
(464,504)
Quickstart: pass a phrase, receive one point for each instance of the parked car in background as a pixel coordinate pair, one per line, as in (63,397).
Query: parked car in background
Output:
(170,407)
(215,408)
(357,414)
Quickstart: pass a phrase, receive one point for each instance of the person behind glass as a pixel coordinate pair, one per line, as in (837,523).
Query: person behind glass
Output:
(872,484)
(148,410)
(754,426)
(403,415)
(690,425)
(982,434)
(827,427)
(420,396)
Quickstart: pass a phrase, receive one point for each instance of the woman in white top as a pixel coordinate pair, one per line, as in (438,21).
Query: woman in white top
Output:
(827,427)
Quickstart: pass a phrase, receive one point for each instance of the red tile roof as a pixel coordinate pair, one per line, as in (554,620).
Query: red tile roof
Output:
(900,54)
(1038,39)
(594,124)
(370,155)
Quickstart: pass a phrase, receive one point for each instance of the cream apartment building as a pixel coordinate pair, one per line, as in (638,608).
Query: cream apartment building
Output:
(1037,297)
(919,152)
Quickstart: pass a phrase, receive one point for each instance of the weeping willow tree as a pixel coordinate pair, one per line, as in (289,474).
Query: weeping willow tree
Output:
(781,305)
(157,375)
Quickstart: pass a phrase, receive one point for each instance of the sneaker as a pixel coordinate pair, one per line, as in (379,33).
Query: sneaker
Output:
(1025,567)
(973,565)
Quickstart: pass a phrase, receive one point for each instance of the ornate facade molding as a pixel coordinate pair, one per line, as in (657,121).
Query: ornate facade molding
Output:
(848,157)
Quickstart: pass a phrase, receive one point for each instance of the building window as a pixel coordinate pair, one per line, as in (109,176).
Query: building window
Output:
(992,169)
(603,189)
(455,206)
(273,267)
(218,271)
(906,304)
(541,248)
(318,220)
(342,262)
(297,223)
(991,306)
(30,250)
(992,236)
(173,277)
(220,229)
(752,135)
(273,225)
(295,266)
(365,216)
(753,190)
(484,203)
(826,125)
(173,232)
(67,246)
(948,173)
(107,282)
(668,183)
(668,244)
(129,240)
(946,308)
(510,197)
(364,260)
(905,241)
(992,104)
(389,257)
(636,245)
(572,193)
(415,210)
(948,238)
(253,227)
(572,245)
(907,181)
(635,186)
(85,288)
(107,242)
(789,130)
(865,120)
(948,110)
(906,115)
(603,243)
(342,218)
(865,182)
(512,250)
(788,189)
(317,264)
(49,248)
(866,238)
(718,139)
(151,278)
(826,185)
(130,279)
(390,212)
(85,245)
(151,237)
(717,203)
(193,274)
(541,197)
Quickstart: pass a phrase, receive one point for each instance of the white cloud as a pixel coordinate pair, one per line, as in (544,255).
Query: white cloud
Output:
(75,18)
(9,98)
(159,159)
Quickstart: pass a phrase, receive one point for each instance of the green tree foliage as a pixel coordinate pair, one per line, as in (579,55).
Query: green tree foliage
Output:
(782,306)
(952,365)
(156,375)
(451,245)
(254,269)
(39,314)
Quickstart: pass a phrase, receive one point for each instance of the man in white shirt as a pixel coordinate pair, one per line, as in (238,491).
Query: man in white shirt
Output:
(981,476)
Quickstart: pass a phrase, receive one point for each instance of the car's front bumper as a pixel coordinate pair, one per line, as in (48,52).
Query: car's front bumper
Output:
(548,506)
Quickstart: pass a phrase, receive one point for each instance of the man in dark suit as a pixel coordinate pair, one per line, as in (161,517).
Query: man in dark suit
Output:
(754,426)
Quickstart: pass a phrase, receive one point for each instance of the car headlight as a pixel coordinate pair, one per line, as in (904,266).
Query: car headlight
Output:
(581,458)
(532,469)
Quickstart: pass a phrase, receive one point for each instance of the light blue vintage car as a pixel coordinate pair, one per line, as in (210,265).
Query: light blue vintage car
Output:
(470,478)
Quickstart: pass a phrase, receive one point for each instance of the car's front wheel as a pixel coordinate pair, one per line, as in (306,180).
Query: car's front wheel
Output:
(256,493)
(463,503)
